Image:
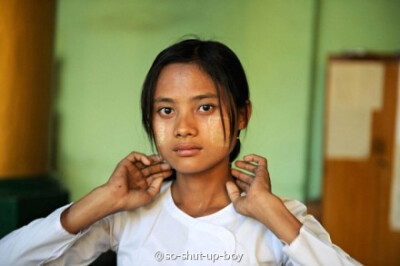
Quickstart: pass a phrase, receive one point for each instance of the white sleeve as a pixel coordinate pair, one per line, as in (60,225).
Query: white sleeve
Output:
(313,245)
(41,241)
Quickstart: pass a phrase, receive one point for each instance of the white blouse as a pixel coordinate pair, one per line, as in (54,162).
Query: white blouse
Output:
(161,234)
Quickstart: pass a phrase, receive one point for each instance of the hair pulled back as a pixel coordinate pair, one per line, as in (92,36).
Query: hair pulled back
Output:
(220,63)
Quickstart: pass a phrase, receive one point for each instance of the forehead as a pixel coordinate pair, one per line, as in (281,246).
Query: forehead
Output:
(179,80)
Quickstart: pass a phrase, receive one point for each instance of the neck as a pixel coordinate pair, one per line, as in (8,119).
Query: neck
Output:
(200,194)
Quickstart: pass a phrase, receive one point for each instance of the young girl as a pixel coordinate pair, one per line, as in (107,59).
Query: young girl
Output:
(185,205)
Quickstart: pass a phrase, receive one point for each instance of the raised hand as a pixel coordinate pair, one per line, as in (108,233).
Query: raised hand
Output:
(134,183)
(137,179)
(255,183)
(258,201)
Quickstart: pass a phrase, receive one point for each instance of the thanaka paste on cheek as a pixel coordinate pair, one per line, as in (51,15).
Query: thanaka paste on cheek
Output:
(216,131)
(159,134)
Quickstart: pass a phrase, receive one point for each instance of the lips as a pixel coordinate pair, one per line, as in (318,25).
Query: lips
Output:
(187,149)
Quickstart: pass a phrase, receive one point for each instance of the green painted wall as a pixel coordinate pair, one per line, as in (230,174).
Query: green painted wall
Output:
(104,49)
(347,25)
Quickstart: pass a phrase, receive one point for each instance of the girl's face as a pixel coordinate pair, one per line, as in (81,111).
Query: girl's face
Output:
(187,122)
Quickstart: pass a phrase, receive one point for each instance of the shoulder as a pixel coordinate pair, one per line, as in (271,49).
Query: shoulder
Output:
(299,210)
(310,224)
(296,207)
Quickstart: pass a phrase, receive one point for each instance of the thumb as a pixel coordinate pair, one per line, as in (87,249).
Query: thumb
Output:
(155,186)
(233,191)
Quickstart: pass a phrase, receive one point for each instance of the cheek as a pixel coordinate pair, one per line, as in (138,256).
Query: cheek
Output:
(216,132)
(160,133)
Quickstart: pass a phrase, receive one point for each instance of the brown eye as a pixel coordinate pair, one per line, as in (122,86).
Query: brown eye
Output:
(206,108)
(165,111)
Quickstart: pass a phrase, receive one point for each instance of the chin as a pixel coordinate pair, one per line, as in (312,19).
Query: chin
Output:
(189,169)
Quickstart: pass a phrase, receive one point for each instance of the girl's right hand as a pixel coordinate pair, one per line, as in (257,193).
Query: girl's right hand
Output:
(134,183)
(137,179)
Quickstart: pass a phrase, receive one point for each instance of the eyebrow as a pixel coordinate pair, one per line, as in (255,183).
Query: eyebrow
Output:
(195,98)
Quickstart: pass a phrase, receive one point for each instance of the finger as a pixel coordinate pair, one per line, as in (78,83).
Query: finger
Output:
(130,168)
(138,157)
(155,187)
(262,172)
(139,165)
(142,172)
(154,169)
(133,169)
(244,177)
(155,158)
(242,185)
(248,166)
(162,175)
(138,183)
(233,191)
(256,159)
(263,177)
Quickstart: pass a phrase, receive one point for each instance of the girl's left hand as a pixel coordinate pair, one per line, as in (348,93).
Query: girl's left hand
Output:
(258,201)
(255,183)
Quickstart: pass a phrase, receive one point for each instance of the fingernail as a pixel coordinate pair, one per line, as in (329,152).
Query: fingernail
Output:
(165,166)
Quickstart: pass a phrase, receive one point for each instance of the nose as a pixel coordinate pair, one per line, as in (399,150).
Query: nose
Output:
(185,126)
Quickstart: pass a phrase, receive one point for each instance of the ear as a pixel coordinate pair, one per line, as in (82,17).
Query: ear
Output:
(244,117)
